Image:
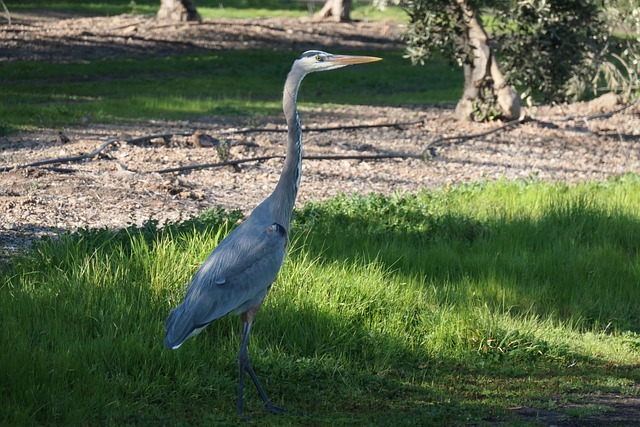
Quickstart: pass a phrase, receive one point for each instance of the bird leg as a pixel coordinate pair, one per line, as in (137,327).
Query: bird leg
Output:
(245,365)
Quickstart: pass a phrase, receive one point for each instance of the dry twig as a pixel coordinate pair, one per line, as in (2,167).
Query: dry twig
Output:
(264,158)
(594,116)
(429,149)
(332,128)
(90,155)
(63,159)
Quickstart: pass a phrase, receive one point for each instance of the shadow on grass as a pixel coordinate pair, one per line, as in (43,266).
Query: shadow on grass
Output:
(75,352)
(335,379)
(574,263)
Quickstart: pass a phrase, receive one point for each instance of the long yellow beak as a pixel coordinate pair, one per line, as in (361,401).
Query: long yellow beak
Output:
(350,59)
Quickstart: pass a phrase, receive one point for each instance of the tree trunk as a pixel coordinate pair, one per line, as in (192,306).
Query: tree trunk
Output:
(335,10)
(486,93)
(178,10)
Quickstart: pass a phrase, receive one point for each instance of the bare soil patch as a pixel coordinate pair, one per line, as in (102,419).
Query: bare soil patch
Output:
(569,143)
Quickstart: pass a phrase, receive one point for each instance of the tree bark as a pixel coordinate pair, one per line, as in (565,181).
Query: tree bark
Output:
(481,71)
(178,10)
(334,10)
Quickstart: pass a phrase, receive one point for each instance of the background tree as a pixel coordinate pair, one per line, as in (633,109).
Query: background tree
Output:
(6,11)
(454,28)
(552,49)
(619,69)
(178,10)
(544,44)
(335,10)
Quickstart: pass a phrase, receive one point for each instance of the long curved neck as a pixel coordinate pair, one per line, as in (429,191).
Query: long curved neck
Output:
(284,196)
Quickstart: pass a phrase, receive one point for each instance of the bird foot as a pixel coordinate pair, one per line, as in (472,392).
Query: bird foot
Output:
(275,409)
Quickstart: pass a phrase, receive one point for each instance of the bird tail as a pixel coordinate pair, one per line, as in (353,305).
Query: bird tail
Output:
(178,328)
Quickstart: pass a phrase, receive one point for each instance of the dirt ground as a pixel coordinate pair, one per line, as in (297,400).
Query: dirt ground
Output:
(122,185)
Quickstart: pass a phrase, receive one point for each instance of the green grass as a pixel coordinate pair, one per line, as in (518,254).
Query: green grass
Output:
(36,94)
(208,9)
(444,307)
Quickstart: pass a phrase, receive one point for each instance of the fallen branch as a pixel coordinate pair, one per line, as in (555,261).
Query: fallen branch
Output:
(594,116)
(165,136)
(63,159)
(331,128)
(442,140)
(92,154)
(279,156)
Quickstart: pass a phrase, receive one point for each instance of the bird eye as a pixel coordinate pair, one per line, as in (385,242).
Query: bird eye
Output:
(319,58)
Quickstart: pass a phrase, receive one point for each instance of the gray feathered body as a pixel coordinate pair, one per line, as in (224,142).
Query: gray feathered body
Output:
(235,277)
(240,270)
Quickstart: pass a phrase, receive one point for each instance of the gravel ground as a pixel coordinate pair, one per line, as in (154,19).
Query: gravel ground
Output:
(120,186)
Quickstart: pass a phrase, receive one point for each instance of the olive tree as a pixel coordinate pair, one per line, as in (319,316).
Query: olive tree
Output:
(553,50)
(619,67)
(561,50)
(178,10)
(454,27)
(544,43)
(335,10)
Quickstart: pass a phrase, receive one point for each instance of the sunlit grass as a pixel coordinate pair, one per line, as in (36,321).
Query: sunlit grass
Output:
(448,306)
(233,9)
(191,87)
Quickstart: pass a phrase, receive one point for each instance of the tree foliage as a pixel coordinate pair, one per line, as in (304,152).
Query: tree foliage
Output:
(454,28)
(436,26)
(544,44)
(555,50)
(621,72)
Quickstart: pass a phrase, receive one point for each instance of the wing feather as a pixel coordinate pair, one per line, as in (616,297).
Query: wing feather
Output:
(234,278)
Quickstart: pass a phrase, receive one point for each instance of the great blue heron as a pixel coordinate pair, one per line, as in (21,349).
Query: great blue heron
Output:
(236,276)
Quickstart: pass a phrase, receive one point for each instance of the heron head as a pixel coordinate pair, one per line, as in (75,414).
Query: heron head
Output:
(316,60)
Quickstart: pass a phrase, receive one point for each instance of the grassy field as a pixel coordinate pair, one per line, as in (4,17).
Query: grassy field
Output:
(361,10)
(35,94)
(441,308)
